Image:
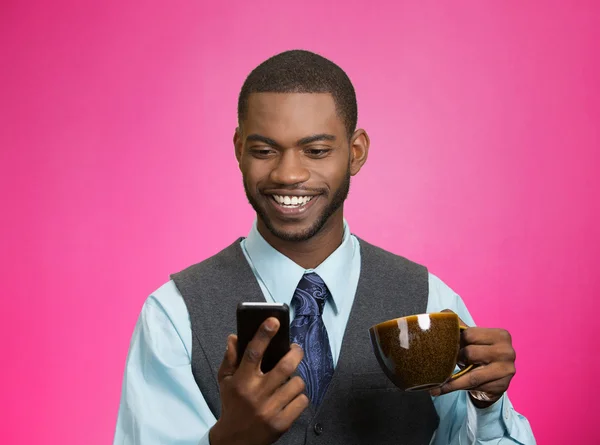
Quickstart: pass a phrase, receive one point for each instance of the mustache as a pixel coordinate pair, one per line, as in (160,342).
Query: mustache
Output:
(299,188)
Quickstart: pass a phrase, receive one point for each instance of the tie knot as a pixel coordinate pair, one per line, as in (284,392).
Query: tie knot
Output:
(310,295)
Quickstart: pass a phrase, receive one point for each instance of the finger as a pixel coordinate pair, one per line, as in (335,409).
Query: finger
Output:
(470,380)
(476,355)
(284,369)
(486,354)
(288,392)
(256,348)
(477,377)
(485,336)
(497,387)
(284,420)
(228,365)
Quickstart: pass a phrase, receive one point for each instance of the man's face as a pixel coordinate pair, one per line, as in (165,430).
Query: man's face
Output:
(294,155)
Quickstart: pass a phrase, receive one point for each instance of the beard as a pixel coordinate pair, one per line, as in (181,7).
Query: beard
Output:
(339,196)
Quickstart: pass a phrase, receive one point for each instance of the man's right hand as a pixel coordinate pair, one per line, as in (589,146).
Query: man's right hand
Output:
(257,408)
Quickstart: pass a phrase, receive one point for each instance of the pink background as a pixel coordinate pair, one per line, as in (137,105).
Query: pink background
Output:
(117,168)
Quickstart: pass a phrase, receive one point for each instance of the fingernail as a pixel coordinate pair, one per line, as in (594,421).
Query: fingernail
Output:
(435,392)
(269,325)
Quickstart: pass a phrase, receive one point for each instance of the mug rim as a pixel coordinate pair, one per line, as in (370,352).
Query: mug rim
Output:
(384,324)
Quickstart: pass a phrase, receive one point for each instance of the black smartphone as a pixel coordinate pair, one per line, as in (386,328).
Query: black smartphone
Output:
(249,318)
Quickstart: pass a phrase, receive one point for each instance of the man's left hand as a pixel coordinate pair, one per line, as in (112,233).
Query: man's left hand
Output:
(492,351)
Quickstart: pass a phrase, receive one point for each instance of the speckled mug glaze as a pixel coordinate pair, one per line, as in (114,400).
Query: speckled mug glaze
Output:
(418,352)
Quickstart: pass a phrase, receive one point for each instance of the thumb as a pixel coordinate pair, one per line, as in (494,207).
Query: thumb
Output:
(229,363)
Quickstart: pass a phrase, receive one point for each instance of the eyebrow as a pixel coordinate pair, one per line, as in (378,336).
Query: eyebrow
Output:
(304,141)
(261,138)
(316,138)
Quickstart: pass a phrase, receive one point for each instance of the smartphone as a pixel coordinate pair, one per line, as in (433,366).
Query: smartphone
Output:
(249,318)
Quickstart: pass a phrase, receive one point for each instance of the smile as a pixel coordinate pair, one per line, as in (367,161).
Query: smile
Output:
(291,201)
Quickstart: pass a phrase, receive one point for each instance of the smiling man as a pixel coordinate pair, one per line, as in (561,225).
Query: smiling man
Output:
(297,147)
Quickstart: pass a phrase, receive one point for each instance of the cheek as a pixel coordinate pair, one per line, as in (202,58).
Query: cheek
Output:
(333,174)
(254,173)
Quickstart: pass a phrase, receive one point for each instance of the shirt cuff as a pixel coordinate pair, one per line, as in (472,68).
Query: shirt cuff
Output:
(488,423)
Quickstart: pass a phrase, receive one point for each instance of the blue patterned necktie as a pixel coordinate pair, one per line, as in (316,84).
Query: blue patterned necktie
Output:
(308,331)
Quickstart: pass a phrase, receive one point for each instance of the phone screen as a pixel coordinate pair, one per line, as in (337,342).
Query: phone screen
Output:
(249,318)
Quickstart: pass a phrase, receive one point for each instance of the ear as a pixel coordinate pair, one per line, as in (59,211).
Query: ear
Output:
(359,150)
(237,144)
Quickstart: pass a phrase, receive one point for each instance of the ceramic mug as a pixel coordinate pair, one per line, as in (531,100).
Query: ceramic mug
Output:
(419,352)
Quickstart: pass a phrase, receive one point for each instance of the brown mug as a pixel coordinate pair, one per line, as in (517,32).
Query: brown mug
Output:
(419,352)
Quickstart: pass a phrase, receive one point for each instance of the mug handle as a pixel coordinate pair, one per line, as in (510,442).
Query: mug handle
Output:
(467,368)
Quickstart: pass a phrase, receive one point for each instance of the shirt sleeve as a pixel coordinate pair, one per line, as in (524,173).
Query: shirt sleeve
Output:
(461,422)
(160,401)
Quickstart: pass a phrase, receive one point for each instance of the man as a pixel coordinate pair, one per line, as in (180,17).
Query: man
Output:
(297,147)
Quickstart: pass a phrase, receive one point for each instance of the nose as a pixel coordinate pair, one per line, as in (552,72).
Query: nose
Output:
(290,169)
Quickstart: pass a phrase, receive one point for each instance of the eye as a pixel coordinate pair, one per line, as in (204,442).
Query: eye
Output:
(262,152)
(317,152)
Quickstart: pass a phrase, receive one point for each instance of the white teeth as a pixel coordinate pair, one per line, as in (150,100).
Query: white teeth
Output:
(292,201)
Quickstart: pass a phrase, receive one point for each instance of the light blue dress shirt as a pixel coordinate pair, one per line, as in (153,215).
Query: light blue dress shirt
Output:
(162,404)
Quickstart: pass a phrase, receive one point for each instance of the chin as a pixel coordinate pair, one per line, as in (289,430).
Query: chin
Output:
(296,234)
(291,230)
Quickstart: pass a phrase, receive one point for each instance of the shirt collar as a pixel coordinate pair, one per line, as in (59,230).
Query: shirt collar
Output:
(281,275)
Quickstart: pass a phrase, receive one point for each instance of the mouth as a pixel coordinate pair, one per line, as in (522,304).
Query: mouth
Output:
(291,202)
(291,205)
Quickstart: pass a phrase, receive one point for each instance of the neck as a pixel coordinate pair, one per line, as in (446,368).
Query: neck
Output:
(311,252)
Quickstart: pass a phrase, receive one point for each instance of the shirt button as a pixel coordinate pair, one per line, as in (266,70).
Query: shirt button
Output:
(318,429)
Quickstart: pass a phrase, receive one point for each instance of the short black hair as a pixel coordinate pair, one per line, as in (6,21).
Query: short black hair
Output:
(300,71)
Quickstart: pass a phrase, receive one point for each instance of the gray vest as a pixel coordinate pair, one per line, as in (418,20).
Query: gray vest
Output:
(361,405)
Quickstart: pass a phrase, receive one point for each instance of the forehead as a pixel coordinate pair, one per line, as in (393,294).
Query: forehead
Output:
(291,116)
